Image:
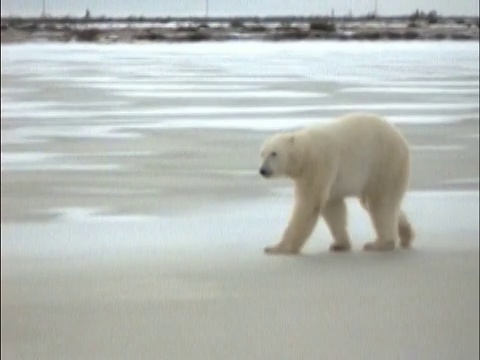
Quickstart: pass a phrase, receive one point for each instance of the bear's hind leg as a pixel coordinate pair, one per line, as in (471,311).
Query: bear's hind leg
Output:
(405,231)
(335,215)
(385,221)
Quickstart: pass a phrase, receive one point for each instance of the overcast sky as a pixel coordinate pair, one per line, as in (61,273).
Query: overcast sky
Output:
(235,7)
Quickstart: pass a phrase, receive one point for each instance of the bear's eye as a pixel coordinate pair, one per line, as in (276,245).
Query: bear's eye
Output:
(274,154)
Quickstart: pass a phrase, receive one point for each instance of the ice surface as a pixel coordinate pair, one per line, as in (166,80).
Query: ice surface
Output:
(442,220)
(412,82)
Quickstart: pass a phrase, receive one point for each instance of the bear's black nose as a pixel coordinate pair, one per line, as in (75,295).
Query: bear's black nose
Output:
(264,172)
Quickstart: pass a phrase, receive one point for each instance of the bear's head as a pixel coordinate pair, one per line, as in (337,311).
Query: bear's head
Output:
(278,155)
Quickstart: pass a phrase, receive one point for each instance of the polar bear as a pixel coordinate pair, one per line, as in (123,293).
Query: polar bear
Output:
(356,155)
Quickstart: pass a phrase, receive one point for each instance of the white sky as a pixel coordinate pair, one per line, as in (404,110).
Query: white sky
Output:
(236,7)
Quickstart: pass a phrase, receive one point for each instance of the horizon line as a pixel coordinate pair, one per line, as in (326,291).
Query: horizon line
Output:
(370,16)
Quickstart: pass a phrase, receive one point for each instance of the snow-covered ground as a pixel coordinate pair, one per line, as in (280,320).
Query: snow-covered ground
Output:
(133,218)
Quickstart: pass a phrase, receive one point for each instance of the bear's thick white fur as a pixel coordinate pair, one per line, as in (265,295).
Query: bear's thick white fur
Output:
(357,155)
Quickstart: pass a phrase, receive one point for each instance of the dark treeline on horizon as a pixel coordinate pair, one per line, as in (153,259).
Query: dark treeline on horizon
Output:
(265,19)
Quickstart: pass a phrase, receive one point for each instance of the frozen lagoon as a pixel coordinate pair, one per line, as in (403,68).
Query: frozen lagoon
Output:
(132,209)
(84,116)
(236,84)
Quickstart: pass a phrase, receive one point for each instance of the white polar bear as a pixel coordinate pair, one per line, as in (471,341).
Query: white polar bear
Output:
(357,155)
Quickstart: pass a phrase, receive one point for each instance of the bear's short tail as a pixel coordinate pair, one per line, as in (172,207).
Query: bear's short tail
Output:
(405,231)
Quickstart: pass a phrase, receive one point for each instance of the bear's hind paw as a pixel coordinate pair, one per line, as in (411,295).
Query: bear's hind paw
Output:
(379,246)
(340,247)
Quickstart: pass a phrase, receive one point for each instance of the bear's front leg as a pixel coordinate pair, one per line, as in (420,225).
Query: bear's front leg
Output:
(300,227)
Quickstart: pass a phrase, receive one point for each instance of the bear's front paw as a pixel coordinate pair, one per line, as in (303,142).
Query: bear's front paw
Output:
(279,250)
(379,246)
(339,247)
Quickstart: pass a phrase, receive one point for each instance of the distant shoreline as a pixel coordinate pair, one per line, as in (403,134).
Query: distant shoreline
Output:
(133,29)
